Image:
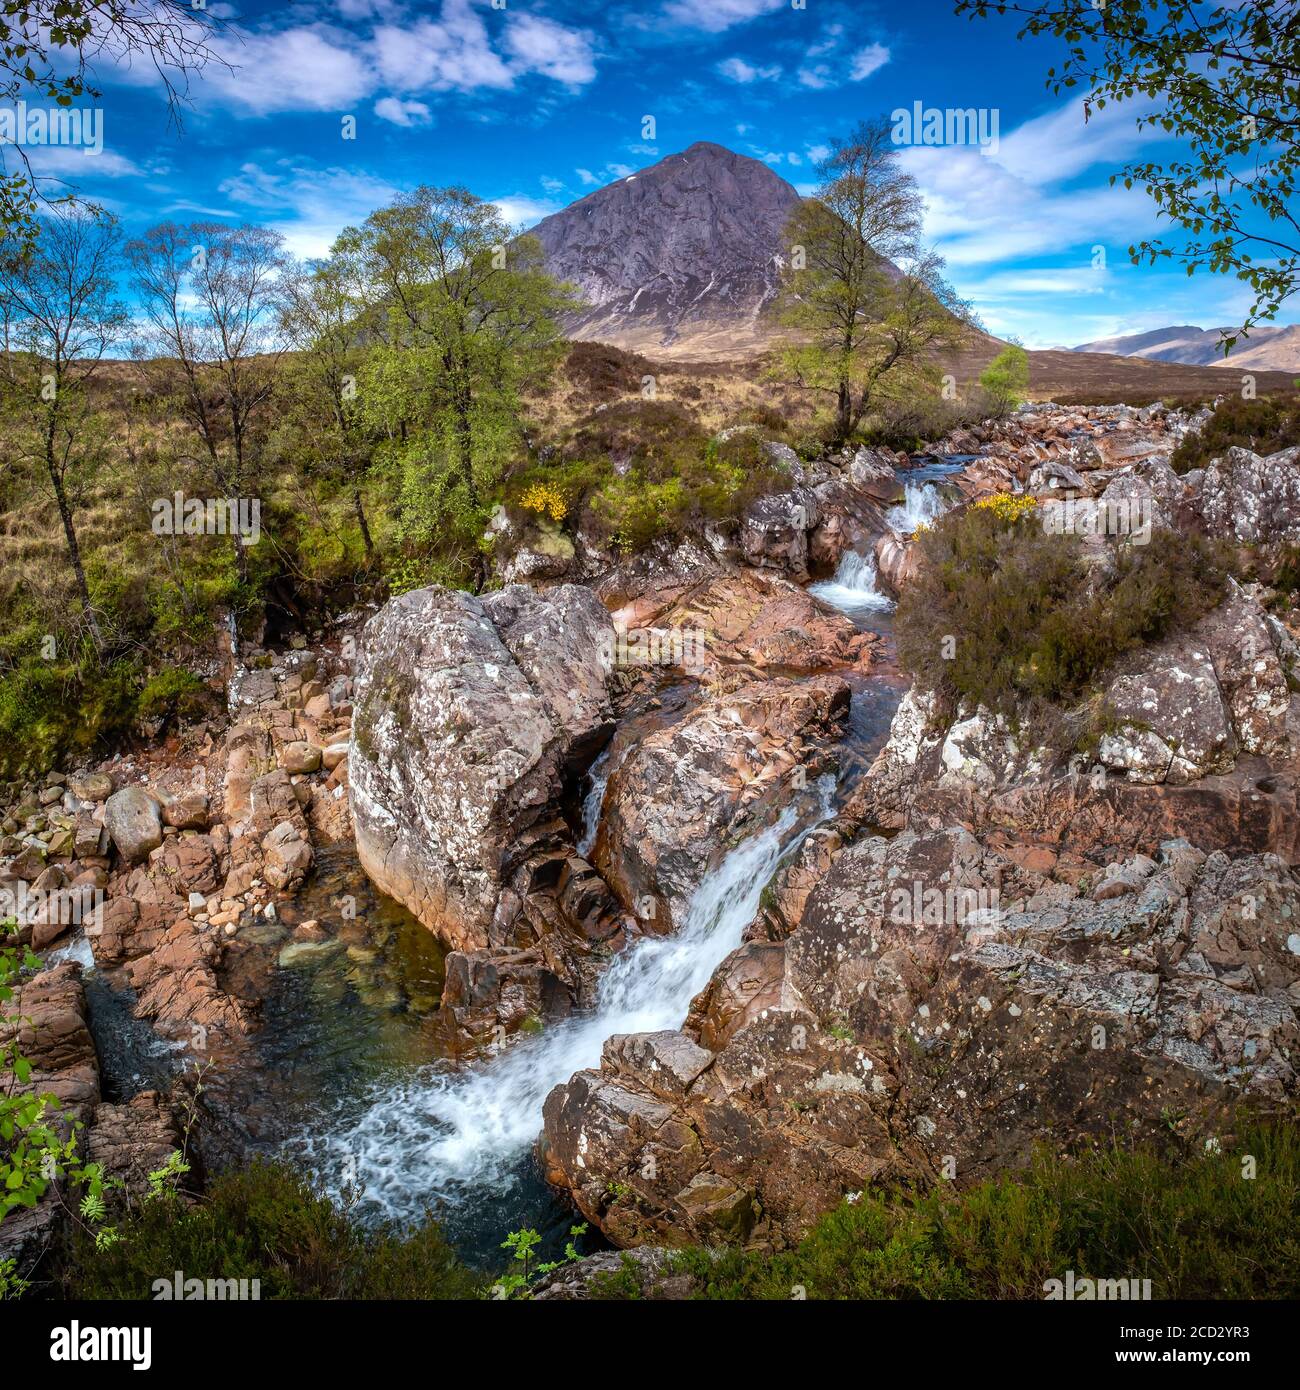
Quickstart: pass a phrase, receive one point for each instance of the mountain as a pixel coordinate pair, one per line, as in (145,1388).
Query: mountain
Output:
(1267,349)
(679,259)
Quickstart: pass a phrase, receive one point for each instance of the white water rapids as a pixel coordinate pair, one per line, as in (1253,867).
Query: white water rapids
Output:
(921,504)
(437,1133)
(854,586)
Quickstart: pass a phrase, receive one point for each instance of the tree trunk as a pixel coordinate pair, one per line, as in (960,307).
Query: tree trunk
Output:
(844,413)
(361,521)
(70,534)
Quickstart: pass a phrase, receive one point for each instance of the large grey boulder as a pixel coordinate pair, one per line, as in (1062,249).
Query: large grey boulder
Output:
(1251,499)
(469,712)
(134,823)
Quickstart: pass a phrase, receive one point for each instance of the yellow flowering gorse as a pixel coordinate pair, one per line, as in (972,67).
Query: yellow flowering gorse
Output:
(546,499)
(1007,506)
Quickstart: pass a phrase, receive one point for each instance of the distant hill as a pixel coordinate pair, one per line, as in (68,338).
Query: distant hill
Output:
(1267,349)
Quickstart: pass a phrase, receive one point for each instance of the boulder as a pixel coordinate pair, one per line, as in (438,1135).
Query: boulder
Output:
(133,822)
(469,714)
(939,1008)
(300,757)
(188,811)
(1251,499)
(684,793)
(93,786)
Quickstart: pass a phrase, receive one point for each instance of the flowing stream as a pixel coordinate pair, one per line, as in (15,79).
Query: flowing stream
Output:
(465,1137)
(853,590)
(922,503)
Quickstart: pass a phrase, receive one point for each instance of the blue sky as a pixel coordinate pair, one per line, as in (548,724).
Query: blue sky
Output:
(533,103)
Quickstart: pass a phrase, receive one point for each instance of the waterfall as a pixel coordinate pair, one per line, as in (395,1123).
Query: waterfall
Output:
(436,1134)
(854,585)
(76,948)
(921,504)
(599,776)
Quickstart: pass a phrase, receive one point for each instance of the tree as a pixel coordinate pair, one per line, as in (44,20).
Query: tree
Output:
(61,298)
(1006,378)
(322,318)
(866,299)
(209,295)
(49,48)
(1224,80)
(462,319)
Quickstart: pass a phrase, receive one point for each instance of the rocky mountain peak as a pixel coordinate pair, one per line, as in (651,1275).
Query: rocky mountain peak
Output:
(681,255)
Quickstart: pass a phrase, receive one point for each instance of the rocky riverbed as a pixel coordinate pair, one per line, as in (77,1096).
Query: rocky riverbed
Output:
(586,890)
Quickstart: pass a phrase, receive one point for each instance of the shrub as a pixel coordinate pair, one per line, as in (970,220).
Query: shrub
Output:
(603,372)
(912,424)
(269,1222)
(646,470)
(1192,1223)
(1032,623)
(1006,379)
(1264,426)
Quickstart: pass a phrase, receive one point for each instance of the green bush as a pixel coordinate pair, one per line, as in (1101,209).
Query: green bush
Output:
(269,1222)
(1006,379)
(1264,426)
(1192,1223)
(644,469)
(1032,624)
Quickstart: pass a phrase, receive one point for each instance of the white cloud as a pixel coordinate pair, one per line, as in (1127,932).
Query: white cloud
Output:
(76,162)
(545,47)
(313,68)
(325,67)
(818,77)
(586,176)
(1060,144)
(738,70)
(551,185)
(451,53)
(868,60)
(403,113)
(521,211)
(714,16)
(819,153)
(307,204)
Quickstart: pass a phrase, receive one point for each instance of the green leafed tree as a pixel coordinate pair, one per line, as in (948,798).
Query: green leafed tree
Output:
(462,319)
(1006,378)
(1224,80)
(867,302)
(324,320)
